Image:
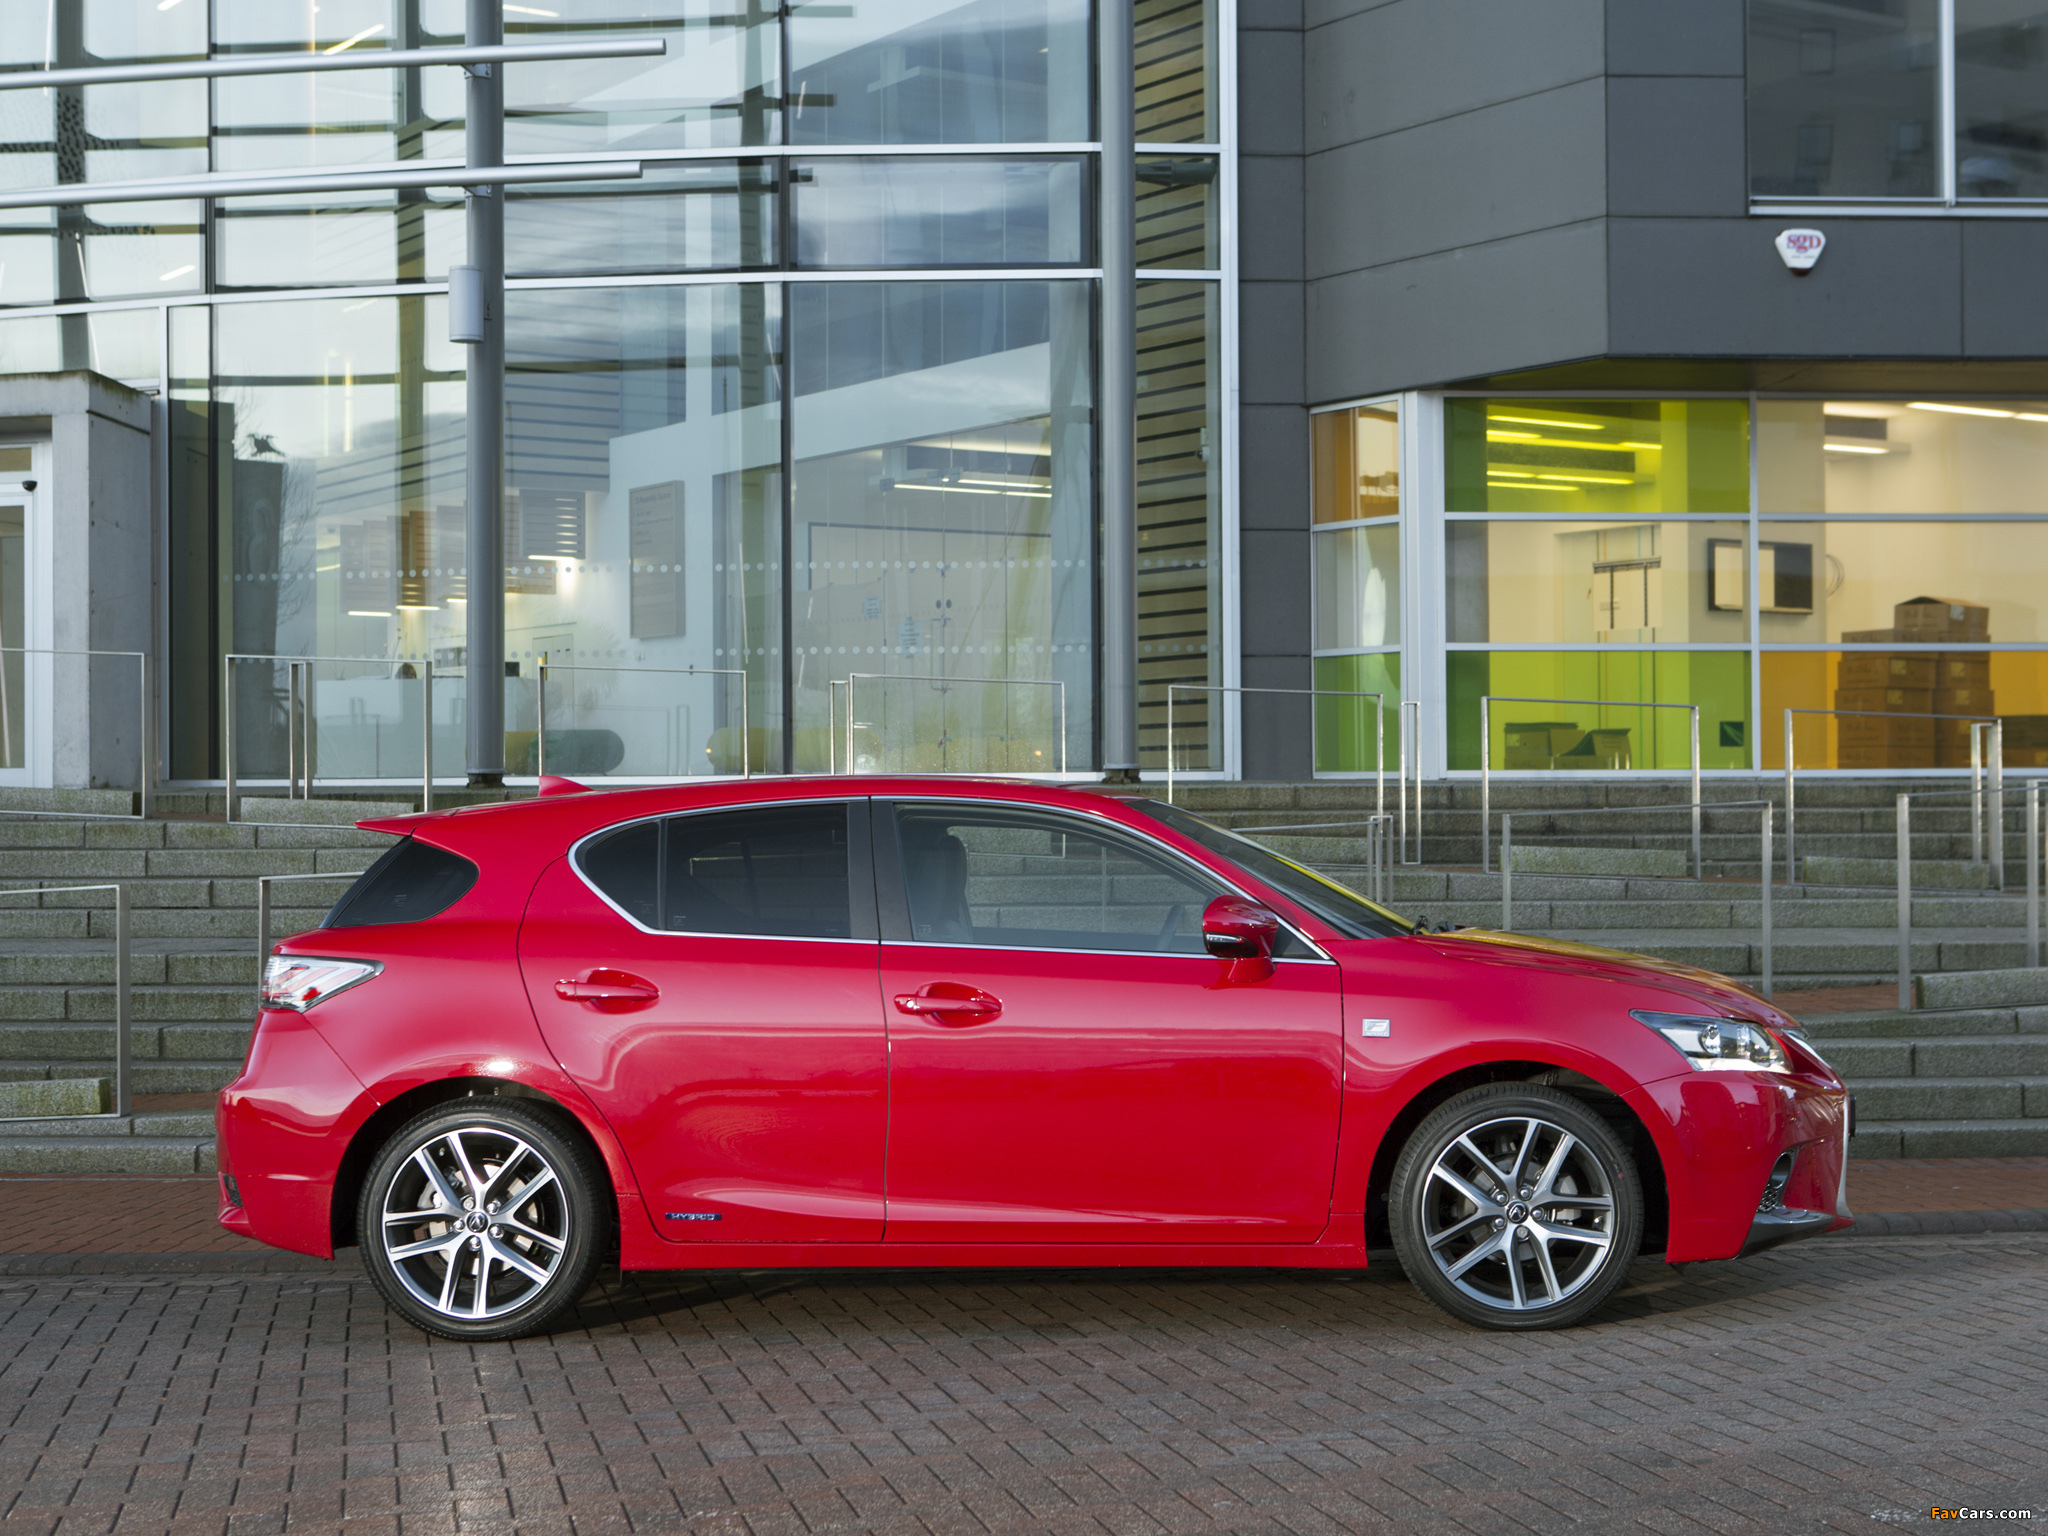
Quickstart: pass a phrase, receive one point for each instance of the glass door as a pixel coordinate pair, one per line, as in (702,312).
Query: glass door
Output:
(24,676)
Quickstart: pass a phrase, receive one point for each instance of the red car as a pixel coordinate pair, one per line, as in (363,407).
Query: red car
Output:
(814,1022)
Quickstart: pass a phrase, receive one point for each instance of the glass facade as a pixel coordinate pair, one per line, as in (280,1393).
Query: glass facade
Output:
(1845,101)
(1355,553)
(768,505)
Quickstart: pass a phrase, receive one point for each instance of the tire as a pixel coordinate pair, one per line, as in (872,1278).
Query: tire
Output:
(1573,1234)
(453,1270)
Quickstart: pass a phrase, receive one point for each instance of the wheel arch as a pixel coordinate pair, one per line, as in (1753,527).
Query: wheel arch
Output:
(1597,1096)
(382,1122)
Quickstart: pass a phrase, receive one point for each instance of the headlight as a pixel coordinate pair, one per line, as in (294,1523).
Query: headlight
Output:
(1733,1045)
(298,982)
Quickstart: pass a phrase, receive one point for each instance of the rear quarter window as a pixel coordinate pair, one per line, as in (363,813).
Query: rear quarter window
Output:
(410,883)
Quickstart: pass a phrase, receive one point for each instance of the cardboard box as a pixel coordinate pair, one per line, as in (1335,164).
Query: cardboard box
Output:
(1880,731)
(1960,669)
(2025,732)
(1964,701)
(1941,618)
(2026,757)
(1871,636)
(1889,701)
(1854,756)
(1874,669)
(1598,749)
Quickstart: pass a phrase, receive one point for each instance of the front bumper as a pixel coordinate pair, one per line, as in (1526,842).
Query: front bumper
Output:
(1785,1225)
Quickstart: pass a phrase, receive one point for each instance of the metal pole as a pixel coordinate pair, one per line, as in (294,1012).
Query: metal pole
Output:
(2033,855)
(1790,868)
(484,639)
(1507,873)
(1169,742)
(1116,82)
(124,1099)
(1699,864)
(1976,792)
(427,732)
(291,731)
(1379,754)
(1995,827)
(1411,741)
(262,927)
(148,737)
(540,710)
(1485,786)
(1905,898)
(1764,900)
(318,63)
(227,714)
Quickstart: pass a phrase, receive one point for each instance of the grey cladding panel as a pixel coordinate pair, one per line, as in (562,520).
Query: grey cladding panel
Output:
(1522,303)
(1269,218)
(1269,93)
(1674,37)
(1269,15)
(1420,60)
(1528,164)
(1715,287)
(1275,588)
(1273,467)
(2005,299)
(1269,328)
(1676,147)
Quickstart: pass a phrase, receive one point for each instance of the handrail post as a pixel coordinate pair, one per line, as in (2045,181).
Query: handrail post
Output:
(1790,815)
(2033,856)
(540,735)
(124,1099)
(1699,858)
(1764,900)
(1169,742)
(146,781)
(427,734)
(1976,792)
(227,714)
(1994,736)
(1379,753)
(1485,785)
(262,927)
(1411,745)
(1905,899)
(1507,872)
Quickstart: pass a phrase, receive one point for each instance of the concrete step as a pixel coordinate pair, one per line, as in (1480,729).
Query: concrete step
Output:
(196,1075)
(93,965)
(1948,1138)
(51,1096)
(20,867)
(2021,986)
(1902,1099)
(60,1008)
(100,1147)
(1938,874)
(325,813)
(22,836)
(1889,1024)
(1650,862)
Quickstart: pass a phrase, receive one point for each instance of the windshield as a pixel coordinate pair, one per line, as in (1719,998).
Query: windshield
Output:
(1339,906)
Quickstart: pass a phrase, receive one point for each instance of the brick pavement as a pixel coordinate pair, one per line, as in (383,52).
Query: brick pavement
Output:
(1809,1389)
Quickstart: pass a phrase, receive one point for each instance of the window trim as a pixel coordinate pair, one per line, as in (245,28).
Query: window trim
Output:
(893,904)
(860,868)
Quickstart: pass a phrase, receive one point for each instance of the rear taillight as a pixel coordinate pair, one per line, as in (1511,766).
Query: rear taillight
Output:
(299,981)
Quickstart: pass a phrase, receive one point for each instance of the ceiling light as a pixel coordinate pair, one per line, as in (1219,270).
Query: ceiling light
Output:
(1591,479)
(967,490)
(175,272)
(1545,421)
(1652,447)
(1511,437)
(165,5)
(350,42)
(2031,416)
(1851,448)
(532,10)
(1959,410)
(368,613)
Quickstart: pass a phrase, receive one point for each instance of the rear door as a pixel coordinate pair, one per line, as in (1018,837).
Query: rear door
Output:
(710,980)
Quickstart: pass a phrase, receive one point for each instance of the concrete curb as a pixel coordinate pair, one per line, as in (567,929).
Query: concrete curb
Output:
(1929,1223)
(269,1262)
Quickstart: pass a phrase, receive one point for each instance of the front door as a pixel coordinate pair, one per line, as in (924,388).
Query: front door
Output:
(1068,1064)
(709,980)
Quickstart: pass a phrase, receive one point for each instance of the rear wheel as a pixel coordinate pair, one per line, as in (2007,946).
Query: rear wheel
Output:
(1516,1207)
(482,1219)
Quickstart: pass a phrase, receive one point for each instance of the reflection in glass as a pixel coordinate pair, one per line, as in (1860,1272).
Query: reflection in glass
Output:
(1918,456)
(1348,737)
(1581,456)
(1180,552)
(1357,462)
(2001,98)
(938,72)
(1617,732)
(1842,99)
(120,343)
(1177,212)
(1175,52)
(1358,587)
(1863,573)
(691,216)
(1891,693)
(943,523)
(953,211)
(1606,582)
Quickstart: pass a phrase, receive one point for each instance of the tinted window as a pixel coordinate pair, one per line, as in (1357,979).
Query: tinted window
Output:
(1342,908)
(1030,880)
(413,881)
(781,872)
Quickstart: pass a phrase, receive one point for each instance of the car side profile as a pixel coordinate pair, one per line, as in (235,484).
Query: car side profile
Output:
(905,1022)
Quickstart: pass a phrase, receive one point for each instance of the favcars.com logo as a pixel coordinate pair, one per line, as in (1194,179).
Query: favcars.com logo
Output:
(1964,1512)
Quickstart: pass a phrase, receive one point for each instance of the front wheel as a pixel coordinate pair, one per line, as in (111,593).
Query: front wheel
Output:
(482,1219)
(1516,1207)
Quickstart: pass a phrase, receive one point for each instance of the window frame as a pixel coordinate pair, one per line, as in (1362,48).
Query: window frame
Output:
(860,863)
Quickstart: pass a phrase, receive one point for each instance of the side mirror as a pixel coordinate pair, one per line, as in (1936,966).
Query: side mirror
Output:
(1242,933)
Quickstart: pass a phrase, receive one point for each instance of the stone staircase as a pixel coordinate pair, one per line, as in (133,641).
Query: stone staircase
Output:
(192,934)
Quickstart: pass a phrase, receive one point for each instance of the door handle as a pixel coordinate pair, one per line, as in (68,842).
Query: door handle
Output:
(604,985)
(950,1002)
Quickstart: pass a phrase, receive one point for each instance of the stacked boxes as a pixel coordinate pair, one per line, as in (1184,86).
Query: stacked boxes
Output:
(1910,683)
(1552,744)
(2026,741)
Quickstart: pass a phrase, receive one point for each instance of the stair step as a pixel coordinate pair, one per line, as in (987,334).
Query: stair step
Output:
(1948,1138)
(1888,1100)
(53,1152)
(48,1097)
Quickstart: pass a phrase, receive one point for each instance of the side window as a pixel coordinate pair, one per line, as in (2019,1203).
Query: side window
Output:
(410,882)
(780,873)
(1022,879)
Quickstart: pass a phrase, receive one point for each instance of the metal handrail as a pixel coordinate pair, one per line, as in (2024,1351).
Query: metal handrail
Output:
(911,677)
(1903,857)
(1981,722)
(1379,723)
(1486,700)
(1411,747)
(146,749)
(124,1099)
(263,885)
(1765,942)
(299,733)
(541,674)
(2036,853)
(297,63)
(1379,839)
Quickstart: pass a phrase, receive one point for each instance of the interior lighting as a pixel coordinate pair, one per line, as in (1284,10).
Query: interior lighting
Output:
(1592,479)
(1850,448)
(1650,447)
(531,10)
(1511,437)
(2032,416)
(350,42)
(369,613)
(165,5)
(1545,421)
(1959,410)
(177,272)
(968,490)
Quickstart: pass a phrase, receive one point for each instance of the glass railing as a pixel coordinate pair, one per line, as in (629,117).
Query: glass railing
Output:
(46,696)
(893,724)
(291,723)
(631,723)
